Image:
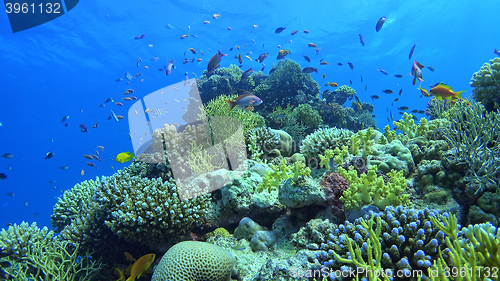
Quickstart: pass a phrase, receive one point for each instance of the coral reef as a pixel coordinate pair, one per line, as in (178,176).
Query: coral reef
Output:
(334,186)
(475,138)
(286,84)
(322,139)
(37,254)
(486,83)
(193,260)
(400,239)
(370,189)
(133,208)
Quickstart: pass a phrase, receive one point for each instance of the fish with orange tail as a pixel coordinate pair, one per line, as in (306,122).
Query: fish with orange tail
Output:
(247,101)
(416,72)
(444,92)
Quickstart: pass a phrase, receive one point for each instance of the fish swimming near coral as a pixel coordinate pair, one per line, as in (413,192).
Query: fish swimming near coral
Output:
(442,91)
(213,64)
(124,157)
(140,266)
(247,101)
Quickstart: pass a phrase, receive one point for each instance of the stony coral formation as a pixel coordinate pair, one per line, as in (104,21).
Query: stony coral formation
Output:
(140,210)
(323,139)
(486,83)
(193,260)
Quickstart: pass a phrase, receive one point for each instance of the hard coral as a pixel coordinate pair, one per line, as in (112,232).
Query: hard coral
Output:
(193,260)
(486,83)
(334,186)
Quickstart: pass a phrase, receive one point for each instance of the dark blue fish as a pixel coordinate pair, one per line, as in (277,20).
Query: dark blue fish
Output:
(11,194)
(49,155)
(411,51)
(279,30)
(398,75)
(139,37)
(361,40)
(350,65)
(309,69)
(65,118)
(83,128)
(496,52)
(383,71)
(247,74)
(3,176)
(380,23)
(169,26)
(262,57)
(307,58)
(431,68)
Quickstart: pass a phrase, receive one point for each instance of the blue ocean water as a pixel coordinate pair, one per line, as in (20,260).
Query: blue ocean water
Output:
(69,66)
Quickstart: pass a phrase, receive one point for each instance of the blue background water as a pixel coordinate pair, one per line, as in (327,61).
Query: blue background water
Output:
(69,67)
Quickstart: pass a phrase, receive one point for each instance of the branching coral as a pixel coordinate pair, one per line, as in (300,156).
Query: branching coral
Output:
(472,257)
(281,172)
(370,189)
(322,139)
(475,135)
(37,254)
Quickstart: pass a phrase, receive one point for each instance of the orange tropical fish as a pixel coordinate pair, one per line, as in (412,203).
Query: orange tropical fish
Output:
(323,63)
(442,91)
(140,266)
(423,91)
(333,84)
(184,36)
(119,103)
(119,116)
(216,16)
(129,257)
(120,274)
(127,98)
(82,173)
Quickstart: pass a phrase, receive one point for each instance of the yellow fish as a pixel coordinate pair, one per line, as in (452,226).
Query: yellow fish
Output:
(124,157)
(140,266)
(120,274)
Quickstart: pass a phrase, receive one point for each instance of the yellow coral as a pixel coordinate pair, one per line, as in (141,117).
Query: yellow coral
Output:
(219,231)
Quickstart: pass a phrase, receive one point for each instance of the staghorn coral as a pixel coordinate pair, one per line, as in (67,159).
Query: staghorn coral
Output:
(193,260)
(486,83)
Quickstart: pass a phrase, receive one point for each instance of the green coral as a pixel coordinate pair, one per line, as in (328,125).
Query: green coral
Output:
(347,90)
(374,252)
(474,134)
(362,141)
(265,139)
(322,139)
(37,254)
(325,160)
(476,254)
(140,210)
(219,107)
(278,173)
(410,129)
(307,115)
(486,83)
(370,189)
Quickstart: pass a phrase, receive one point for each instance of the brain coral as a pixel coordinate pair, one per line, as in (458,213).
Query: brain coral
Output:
(193,260)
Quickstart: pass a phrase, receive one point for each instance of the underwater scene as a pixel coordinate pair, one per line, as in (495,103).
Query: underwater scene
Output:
(215,140)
